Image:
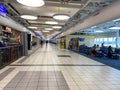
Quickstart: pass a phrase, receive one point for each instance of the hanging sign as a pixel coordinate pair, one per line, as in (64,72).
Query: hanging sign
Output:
(2,10)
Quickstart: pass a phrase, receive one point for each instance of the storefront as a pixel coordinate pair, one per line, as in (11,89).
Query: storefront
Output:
(9,36)
(10,48)
(63,43)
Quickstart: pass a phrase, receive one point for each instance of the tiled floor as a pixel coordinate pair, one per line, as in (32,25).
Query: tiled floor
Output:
(50,72)
(34,80)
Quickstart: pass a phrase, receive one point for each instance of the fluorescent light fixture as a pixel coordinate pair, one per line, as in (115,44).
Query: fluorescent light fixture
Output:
(61,17)
(51,22)
(94,27)
(57,27)
(116,20)
(32,27)
(48,28)
(29,17)
(114,28)
(45,31)
(32,3)
(98,31)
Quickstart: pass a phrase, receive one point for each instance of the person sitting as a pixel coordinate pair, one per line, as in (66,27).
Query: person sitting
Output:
(70,44)
(97,48)
(110,51)
(93,50)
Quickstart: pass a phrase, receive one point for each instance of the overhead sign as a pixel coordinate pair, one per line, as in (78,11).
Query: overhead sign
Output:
(2,10)
(36,34)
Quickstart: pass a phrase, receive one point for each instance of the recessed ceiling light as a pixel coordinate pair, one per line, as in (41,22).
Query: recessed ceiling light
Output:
(48,28)
(32,27)
(30,17)
(51,22)
(45,31)
(114,28)
(32,3)
(98,31)
(61,17)
(57,27)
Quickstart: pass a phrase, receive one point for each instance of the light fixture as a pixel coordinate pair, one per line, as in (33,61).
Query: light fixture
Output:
(98,31)
(94,27)
(51,22)
(30,17)
(116,20)
(114,28)
(61,17)
(57,27)
(32,27)
(48,28)
(32,3)
(45,31)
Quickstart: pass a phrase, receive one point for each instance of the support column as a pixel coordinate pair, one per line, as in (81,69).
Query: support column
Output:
(24,42)
(118,39)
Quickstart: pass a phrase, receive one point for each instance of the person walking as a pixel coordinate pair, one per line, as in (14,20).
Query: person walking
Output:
(46,43)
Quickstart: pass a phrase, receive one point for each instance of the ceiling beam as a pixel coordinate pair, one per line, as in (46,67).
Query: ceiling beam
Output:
(68,5)
(107,14)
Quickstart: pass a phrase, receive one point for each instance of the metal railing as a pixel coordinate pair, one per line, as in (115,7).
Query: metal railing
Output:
(10,54)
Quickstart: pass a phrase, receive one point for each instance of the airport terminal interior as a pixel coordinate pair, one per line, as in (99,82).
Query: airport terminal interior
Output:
(59,45)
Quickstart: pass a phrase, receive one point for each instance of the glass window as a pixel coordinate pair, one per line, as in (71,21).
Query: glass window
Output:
(97,39)
(101,39)
(110,39)
(105,39)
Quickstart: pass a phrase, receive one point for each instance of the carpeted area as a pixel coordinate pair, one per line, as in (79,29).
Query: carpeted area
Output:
(107,61)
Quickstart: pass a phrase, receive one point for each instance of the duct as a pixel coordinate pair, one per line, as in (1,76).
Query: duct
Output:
(11,23)
(107,14)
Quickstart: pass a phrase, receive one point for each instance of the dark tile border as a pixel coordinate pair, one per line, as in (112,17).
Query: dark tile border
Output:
(5,73)
(54,65)
(63,55)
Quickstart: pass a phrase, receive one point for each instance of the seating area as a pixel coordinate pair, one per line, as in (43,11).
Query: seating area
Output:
(102,56)
(101,53)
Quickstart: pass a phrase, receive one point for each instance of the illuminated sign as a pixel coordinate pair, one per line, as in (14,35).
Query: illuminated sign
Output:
(2,10)
(36,34)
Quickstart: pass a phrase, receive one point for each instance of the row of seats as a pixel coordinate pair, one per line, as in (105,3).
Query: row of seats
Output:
(102,52)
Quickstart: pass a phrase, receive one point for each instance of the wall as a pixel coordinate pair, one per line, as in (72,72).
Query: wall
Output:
(88,40)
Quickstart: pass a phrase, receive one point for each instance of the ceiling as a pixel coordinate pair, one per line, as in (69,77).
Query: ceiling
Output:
(76,9)
(103,28)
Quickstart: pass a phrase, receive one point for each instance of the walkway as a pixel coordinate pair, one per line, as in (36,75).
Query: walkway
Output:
(52,69)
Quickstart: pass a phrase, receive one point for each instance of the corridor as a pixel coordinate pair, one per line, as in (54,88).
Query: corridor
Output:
(50,68)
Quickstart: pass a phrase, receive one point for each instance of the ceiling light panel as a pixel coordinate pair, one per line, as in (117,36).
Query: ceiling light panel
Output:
(114,28)
(48,28)
(32,3)
(61,17)
(29,17)
(51,22)
(32,27)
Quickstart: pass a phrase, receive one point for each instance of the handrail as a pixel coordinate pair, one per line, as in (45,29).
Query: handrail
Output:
(9,47)
(10,54)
